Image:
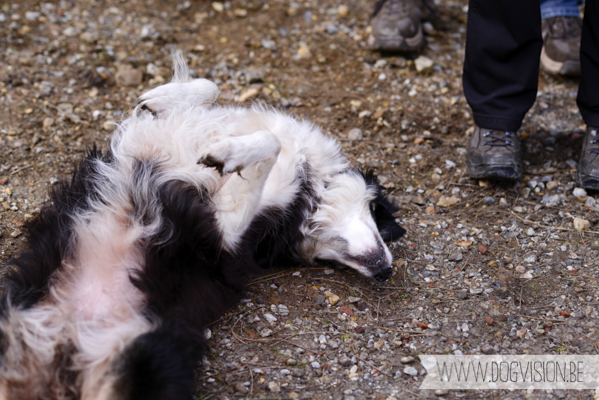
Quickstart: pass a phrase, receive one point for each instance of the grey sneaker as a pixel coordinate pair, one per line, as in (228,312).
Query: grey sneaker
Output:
(494,154)
(397,24)
(561,45)
(588,165)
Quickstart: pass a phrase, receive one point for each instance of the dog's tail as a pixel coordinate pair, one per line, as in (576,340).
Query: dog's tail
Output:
(181,72)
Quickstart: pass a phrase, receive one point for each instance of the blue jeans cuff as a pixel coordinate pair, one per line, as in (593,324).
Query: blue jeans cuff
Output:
(560,12)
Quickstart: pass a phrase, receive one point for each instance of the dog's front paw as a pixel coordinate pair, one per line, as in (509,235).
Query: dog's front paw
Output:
(233,154)
(220,165)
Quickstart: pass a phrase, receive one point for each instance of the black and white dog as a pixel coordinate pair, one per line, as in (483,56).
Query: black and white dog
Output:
(150,242)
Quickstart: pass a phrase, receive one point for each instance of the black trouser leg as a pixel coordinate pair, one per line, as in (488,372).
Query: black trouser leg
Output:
(501,67)
(588,90)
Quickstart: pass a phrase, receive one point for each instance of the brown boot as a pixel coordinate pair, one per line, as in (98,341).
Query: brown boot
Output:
(561,45)
(494,154)
(397,24)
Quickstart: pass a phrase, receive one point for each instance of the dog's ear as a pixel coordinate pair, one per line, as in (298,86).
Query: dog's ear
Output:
(383,216)
(382,209)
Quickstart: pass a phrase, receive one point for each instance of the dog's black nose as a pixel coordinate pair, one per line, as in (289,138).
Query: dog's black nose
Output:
(383,274)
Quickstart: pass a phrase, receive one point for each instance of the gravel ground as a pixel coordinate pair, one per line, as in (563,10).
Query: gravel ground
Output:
(486,268)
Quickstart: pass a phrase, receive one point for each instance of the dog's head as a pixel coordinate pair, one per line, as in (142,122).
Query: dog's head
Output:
(353,220)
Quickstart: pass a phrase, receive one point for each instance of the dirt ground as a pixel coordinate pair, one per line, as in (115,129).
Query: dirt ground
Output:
(486,268)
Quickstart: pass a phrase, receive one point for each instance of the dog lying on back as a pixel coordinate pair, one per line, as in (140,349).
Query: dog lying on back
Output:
(153,240)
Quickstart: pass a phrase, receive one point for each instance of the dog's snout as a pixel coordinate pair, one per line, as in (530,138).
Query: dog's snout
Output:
(383,274)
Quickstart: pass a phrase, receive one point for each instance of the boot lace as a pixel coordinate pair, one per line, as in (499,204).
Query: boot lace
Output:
(498,140)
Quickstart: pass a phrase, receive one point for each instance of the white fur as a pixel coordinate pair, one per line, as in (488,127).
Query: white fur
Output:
(93,305)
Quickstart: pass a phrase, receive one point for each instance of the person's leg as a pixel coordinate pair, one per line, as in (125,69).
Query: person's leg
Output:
(501,70)
(588,90)
(562,28)
(501,67)
(588,97)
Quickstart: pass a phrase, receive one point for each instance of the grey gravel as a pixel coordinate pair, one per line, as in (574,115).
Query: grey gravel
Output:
(60,95)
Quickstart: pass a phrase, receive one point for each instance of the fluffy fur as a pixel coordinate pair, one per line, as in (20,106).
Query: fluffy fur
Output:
(153,240)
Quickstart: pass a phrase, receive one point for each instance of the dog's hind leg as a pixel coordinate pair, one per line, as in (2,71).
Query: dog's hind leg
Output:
(199,92)
(238,200)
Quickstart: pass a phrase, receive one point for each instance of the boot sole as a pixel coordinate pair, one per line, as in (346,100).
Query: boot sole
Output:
(588,181)
(397,43)
(565,68)
(504,172)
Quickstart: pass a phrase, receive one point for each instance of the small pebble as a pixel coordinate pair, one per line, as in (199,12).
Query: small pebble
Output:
(354,134)
(457,256)
(590,202)
(271,319)
(344,361)
(489,200)
(581,224)
(303,51)
(343,10)
(274,387)
(410,371)
(265,332)
(423,64)
(487,349)
(332,298)
(240,388)
(530,259)
(579,192)
(450,164)
(406,360)
(126,75)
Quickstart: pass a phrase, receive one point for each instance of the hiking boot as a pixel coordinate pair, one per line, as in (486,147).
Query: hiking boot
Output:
(561,45)
(397,24)
(588,165)
(494,154)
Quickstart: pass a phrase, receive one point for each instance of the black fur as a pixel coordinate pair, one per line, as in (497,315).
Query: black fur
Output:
(274,235)
(188,276)
(3,344)
(382,209)
(160,365)
(50,235)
